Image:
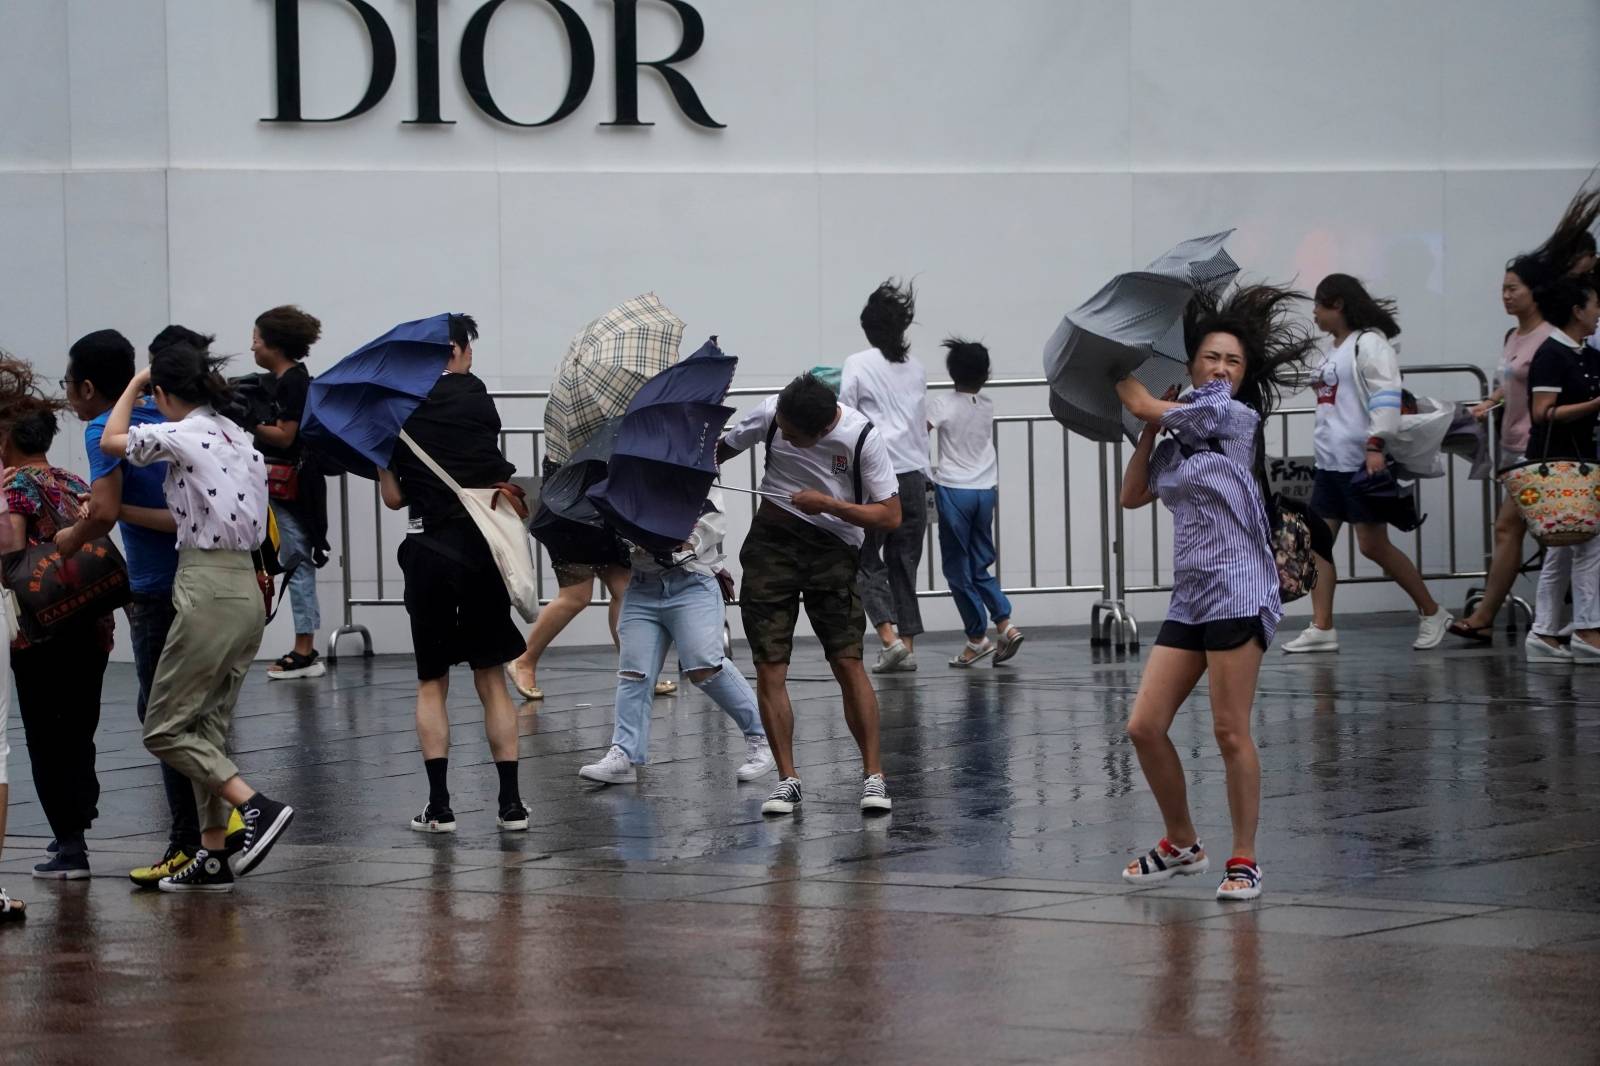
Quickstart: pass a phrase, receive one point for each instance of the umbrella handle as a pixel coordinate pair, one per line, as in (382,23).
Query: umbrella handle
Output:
(758,492)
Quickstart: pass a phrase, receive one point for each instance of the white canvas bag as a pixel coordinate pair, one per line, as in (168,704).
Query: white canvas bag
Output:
(509,540)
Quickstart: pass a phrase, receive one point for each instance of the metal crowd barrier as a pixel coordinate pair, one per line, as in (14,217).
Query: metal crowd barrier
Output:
(1034,533)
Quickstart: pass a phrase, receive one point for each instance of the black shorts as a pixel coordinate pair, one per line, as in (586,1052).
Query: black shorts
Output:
(1225,634)
(1333,500)
(460,611)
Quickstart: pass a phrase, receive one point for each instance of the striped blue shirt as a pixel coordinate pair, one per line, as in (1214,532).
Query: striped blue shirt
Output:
(1222,563)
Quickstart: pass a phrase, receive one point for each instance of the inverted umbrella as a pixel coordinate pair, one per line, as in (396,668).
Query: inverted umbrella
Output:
(567,522)
(604,366)
(665,457)
(355,408)
(1117,331)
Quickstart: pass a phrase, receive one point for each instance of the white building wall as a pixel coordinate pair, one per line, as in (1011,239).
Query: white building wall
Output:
(1010,155)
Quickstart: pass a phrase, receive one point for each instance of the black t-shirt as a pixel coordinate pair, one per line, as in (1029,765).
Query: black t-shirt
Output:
(459,427)
(1574,375)
(289,392)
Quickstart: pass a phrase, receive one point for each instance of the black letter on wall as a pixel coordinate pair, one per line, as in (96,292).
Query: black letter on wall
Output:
(428,67)
(579,44)
(628,64)
(288,44)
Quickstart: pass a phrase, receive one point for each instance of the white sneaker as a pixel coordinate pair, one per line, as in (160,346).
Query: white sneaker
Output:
(891,658)
(784,799)
(1431,630)
(875,795)
(758,759)
(615,769)
(1536,650)
(1319,640)
(1583,653)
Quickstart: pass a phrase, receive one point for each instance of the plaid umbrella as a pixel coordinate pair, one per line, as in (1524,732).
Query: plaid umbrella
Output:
(606,364)
(1116,331)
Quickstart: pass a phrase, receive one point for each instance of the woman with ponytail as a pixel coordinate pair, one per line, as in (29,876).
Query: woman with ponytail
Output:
(1225,601)
(216,492)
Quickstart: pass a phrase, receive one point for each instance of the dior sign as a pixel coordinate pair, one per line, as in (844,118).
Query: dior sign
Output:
(580,47)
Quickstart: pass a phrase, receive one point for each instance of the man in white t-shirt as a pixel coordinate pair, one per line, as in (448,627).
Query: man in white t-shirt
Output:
(829,478)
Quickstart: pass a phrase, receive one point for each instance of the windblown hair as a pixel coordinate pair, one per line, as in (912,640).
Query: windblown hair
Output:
(190,374)
(1277,345)
(27,414)
(1361,309)
(889,312)
(1572,240)
(1559,298)
(289,330)
(463,330)
(967,363)
(176,334)
(809,404)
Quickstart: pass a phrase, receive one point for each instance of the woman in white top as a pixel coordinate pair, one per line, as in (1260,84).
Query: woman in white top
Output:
(891,389)
(1358,407)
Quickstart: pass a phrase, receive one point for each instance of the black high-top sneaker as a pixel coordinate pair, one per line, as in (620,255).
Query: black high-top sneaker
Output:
(206,872)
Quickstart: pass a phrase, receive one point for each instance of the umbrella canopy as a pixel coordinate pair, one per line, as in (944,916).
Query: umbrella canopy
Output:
(567,522)
(356,407)
(665,457)
(604,367)
(1116,332)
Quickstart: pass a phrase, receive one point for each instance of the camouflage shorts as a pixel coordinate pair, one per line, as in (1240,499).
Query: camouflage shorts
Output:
(787,560)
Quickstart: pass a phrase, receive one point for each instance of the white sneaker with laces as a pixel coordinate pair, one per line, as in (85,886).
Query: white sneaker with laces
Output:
(1317,640)
(1431,630)
(614,769)
(758,759)
(784,799)
(891,658)
(875,795)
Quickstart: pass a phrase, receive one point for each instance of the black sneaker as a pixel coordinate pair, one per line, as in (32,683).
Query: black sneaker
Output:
(264,821)
(513,816)
(784,799)
(64,866)
(433,819)
(206,872)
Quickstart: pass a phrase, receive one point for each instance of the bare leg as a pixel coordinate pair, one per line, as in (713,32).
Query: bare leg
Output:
(499,715)
(552,620)
(1509,531)
(1373,540)
(886,633)
(777,716)
(860,710)
(1168,679)
(616,580)
(1327,582)
(1233,692)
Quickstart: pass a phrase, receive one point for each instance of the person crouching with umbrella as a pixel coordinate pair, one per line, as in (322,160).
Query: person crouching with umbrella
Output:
(678,600)
(828,479)
(456,599)
(1225,600)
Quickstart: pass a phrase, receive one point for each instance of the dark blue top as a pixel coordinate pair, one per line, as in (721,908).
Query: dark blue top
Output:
(152,555)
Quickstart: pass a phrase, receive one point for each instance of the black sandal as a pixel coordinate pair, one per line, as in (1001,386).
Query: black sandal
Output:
(1481,634)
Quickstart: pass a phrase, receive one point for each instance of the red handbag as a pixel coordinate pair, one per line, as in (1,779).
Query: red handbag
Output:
(283,481)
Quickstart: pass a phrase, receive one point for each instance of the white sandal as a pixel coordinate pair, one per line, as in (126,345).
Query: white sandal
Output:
(12,910)
(1244,871)
(974,652)
(1166,860)
(1010,643)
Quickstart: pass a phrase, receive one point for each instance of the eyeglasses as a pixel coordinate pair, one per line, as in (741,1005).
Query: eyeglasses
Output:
(66,383)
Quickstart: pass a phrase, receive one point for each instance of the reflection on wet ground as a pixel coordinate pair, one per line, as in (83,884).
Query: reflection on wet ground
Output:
(1431,827)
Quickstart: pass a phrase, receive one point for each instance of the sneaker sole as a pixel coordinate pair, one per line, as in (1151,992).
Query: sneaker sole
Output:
(516,826)
(775,807)
(433,827)
(1168,874)
(289,675)
(750,775)
(1310,651)
(1241,895)
(608,779)
(249,860)
(166,887)
(61,875)
(876,806)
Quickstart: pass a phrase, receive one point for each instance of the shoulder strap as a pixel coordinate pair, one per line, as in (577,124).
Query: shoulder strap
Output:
(772,435)
(427,461)
(861,442)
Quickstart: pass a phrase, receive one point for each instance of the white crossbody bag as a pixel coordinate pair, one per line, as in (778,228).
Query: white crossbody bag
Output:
(509,540)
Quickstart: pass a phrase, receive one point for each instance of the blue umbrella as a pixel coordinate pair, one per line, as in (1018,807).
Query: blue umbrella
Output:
(356,407)
(665,458)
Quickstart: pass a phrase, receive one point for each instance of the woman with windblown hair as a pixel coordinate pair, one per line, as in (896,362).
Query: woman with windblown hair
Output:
(1225,603)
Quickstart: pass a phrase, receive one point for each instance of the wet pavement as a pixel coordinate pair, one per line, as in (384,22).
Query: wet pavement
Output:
(1430,832)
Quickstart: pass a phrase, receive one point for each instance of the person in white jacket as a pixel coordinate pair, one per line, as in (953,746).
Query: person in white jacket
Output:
(1358,409)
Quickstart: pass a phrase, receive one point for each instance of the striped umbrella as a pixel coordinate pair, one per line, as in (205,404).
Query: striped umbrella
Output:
(605,365)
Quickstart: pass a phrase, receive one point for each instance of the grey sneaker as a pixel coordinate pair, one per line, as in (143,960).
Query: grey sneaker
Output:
(893,658)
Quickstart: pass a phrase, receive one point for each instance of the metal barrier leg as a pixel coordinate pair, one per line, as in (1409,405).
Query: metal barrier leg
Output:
(1518,606)
(350,629)
(1096,638)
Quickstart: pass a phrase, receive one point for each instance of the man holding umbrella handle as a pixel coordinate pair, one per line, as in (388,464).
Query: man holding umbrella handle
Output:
(805,544)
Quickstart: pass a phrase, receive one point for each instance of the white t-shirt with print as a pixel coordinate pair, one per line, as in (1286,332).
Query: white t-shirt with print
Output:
(894,397)
(965,422)
(827,466)
(216,481)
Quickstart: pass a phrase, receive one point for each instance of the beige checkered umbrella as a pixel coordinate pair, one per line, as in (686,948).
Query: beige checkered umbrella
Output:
(604,366)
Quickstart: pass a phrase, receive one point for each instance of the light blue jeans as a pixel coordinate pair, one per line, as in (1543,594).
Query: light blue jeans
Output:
(294,550)
(685,609)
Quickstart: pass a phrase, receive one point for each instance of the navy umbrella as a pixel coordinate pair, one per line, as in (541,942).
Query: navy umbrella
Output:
(665,458)
(567,522)
(356,407)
